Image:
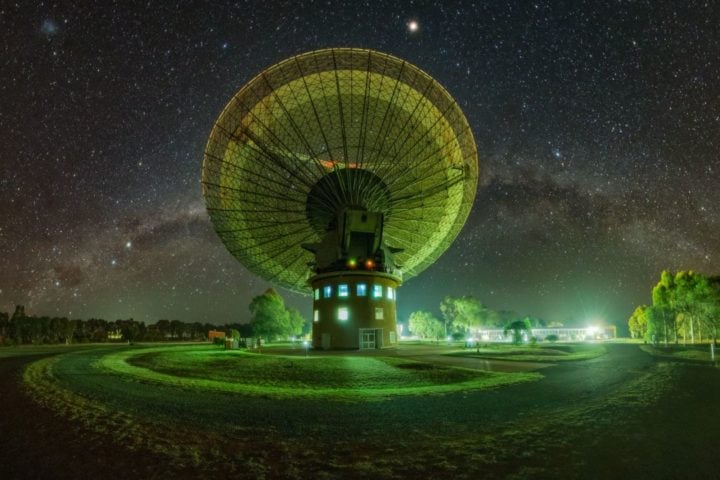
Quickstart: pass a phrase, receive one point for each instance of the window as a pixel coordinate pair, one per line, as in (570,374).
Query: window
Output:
(316,316)
(361,289)
(343,314)
(327,291)
(393,337)
(377,291)
(316,294)
(379,313)
(343,290)
(390,293)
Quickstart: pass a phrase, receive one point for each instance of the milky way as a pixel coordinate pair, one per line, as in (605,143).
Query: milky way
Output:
(597,123)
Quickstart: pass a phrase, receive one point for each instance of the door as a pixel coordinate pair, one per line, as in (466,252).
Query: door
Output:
(325,341)
(367,338)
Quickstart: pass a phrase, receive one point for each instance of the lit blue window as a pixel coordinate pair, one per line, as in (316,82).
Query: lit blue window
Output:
(316,293)
(390,293)
(343,314)
(343,290)
(377,291)
(327,291)
(361,289)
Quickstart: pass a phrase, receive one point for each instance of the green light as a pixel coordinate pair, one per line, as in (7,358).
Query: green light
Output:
(352,263)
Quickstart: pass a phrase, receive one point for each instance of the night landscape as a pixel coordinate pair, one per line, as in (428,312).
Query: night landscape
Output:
(360,240)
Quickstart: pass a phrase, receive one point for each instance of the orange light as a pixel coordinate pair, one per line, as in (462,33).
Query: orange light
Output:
(329,164)
(369,264)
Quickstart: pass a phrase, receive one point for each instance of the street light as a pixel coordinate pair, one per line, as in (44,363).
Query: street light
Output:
(306,346)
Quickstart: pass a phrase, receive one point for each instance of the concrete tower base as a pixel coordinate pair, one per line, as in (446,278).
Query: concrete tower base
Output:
(354,310)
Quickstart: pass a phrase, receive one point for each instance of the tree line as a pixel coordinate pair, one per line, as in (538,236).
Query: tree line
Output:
(465,315)
(270,320)
(21,329)
(685,307)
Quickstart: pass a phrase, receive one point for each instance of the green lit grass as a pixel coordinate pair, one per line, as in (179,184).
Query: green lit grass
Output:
(30,350)
(410,436)
(192,420)
(691,353)
(346,377)
(539,353)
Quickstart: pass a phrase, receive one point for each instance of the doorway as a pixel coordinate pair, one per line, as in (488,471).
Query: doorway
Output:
(370,338)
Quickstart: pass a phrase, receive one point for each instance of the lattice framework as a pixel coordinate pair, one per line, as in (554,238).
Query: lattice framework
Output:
(326,111)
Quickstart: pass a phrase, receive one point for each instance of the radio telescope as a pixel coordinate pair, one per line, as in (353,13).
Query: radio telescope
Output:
(341,173)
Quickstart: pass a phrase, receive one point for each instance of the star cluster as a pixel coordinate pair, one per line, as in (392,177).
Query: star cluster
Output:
(597,124)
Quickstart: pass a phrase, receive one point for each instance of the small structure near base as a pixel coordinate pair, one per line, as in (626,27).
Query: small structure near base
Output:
(213,334)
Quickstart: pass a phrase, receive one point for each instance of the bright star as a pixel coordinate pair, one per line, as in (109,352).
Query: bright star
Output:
(49,27)
(413,26)
(128,244)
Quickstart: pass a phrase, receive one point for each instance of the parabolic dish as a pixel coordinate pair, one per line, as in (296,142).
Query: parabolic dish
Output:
(332,129)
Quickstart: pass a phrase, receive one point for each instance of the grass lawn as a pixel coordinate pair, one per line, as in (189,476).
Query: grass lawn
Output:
(187,402)
(692,353)
(30,350)
(538,353)
(347,377)
(578,422)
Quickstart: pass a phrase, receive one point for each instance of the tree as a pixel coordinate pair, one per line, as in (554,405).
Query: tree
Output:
(664,311)
(464,313)
(297,324)
(688,302)
(62,330)
(517,327)
(4,327)
(425,325)
(687,291)
(712,307)
(660,324)
(637,324)
(177,329)
(130,329)
(448,310)
(270,318)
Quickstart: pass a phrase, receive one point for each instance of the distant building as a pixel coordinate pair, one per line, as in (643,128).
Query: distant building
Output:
(562,334)
(213,334)
(115,335)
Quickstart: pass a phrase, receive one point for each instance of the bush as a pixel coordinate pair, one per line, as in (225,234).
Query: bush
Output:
(552,338)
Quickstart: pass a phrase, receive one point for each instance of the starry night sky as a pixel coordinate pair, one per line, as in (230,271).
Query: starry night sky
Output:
(597,124)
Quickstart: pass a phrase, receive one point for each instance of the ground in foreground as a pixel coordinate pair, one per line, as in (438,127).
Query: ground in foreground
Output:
(620,415)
